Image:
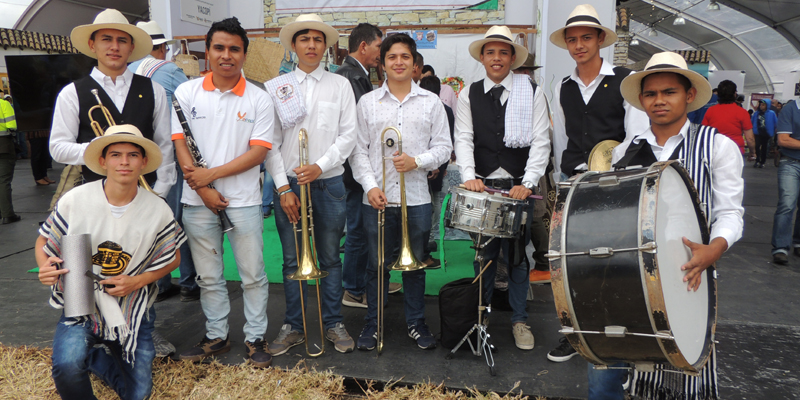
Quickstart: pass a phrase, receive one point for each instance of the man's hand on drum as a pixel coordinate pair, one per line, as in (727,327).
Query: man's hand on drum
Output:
(519,192)
(702,257)
(377,199)
(474,185)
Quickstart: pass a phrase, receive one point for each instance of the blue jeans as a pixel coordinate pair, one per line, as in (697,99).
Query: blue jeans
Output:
(328,204)
(606,384)
(518,275)
(74,356)
(788,191)
(419,229)
(267,189)
(205,239)
(186,267)
(354,269)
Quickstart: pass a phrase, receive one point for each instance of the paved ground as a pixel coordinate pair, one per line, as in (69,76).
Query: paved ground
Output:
(758,326)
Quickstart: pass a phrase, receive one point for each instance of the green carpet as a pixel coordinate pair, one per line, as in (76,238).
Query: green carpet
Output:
(458,252)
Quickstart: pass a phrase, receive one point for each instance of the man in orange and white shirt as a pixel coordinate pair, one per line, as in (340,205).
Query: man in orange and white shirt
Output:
(231,121)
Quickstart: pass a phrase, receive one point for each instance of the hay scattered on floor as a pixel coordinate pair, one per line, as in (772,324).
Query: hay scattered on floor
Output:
(25,374)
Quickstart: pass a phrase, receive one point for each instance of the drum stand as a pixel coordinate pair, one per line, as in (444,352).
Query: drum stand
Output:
(482,344)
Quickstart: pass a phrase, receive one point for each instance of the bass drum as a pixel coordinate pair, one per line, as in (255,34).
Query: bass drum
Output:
(615,259)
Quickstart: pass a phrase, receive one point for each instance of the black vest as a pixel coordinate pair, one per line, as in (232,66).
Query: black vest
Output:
(139,106)
(489,127)
(588,124)
(642,154)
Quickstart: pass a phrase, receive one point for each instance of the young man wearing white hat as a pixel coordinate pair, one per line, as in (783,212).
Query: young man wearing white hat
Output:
(667,90)
(169,76)
(324,105)
(130,99)
(231,122)
(420,117)
(502,141)
(146,237)
(588,107)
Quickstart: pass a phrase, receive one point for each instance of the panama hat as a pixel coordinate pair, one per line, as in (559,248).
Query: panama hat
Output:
(112,19)
(308,21)
(668,61)
(121,133)
(583,15)
(499,33)
(155,32)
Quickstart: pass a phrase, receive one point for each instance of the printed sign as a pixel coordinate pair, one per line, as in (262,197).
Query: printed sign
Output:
(318,6)
(425,39)
(756,97)
(204,12)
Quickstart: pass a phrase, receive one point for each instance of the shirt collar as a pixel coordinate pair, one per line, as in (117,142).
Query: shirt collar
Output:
(651,138)
(208,85)
(126,76)
(606,69)
(316,74)
(383,91)
(488,84)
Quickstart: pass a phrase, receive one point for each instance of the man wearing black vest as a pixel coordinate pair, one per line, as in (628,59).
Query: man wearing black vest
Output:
(502,142)
(588,107)
(130,99)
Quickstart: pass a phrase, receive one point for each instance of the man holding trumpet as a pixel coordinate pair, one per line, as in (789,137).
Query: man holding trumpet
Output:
(419,117)
(127,98)
(322,104)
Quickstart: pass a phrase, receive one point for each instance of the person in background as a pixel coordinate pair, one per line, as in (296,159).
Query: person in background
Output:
(8,160)
(788,138)
(764,122)
(446,93)
(696,116)
(730,119)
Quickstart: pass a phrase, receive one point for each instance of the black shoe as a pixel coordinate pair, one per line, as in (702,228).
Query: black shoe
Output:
(257,353)
(563,352)
(422,335)
(11,220)
(780,258)
(206,348)
(172,291)
(368,339)
(797,251)
(189,294)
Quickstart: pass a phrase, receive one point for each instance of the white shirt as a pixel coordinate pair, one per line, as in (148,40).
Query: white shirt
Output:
(635,120)
(225,125)
(330,123)
(540,145)
(727,187)
(422,122)
(66,122)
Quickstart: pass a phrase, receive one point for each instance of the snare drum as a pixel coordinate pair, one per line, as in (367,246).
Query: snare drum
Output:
(615,259)
(488,214)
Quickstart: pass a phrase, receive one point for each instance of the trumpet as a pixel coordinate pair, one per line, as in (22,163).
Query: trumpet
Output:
(307,268)
(406,261)
(98,130)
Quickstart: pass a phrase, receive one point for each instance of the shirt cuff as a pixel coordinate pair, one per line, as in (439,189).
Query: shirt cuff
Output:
(531,177)
(324,164)
(468,174)
(177,136)
(728,234)
(253,142)
(280,180)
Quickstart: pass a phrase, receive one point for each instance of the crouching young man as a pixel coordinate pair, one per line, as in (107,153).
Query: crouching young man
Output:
(135,242)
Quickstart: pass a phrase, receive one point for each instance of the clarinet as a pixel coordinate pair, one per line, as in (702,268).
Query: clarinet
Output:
(199,161)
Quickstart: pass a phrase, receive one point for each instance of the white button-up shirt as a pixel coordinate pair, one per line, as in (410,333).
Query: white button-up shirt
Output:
(635,120)
(727,187)
(422,122)
(330,124)
(540,144)
(66,122)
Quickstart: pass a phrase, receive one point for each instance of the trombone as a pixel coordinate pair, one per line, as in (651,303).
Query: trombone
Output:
(406,261)
(307,269)
(98,130)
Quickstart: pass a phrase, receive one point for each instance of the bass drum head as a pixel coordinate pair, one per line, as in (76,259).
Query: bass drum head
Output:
(688,311)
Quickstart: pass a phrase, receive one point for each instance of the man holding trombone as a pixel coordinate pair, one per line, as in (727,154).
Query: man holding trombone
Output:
(322,104)
(420,142)
(125,98)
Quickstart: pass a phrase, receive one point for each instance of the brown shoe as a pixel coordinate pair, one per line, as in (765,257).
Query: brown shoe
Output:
(348,299)
(394,287)
(257,353)
(206,348)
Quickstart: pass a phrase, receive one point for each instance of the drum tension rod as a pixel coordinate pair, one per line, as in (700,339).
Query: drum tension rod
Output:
(603,252)
(618,332)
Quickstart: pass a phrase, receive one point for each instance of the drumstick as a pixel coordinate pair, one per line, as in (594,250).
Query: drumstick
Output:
(482,271)
(493,190)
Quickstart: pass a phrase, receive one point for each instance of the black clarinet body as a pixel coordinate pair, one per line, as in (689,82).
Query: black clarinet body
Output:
(199,161)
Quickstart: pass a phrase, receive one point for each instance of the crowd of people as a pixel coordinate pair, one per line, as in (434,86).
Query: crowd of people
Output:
(203,146)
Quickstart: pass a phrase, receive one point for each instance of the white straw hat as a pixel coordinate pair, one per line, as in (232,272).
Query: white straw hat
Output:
(308,21)
(667,61)
(121,133)
(112,19)
(155,32)
(583,15)
(499,33)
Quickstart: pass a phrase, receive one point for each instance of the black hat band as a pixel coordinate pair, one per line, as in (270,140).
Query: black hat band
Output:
(662,66)
(583,18)
(158,36)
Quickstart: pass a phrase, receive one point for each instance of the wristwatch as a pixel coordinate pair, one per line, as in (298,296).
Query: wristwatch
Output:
(528,185)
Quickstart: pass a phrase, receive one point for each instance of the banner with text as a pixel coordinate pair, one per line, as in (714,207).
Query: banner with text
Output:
(204,12)
(320,6)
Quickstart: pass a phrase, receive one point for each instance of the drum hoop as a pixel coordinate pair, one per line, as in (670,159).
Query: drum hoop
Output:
(655,301)
(559,280)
